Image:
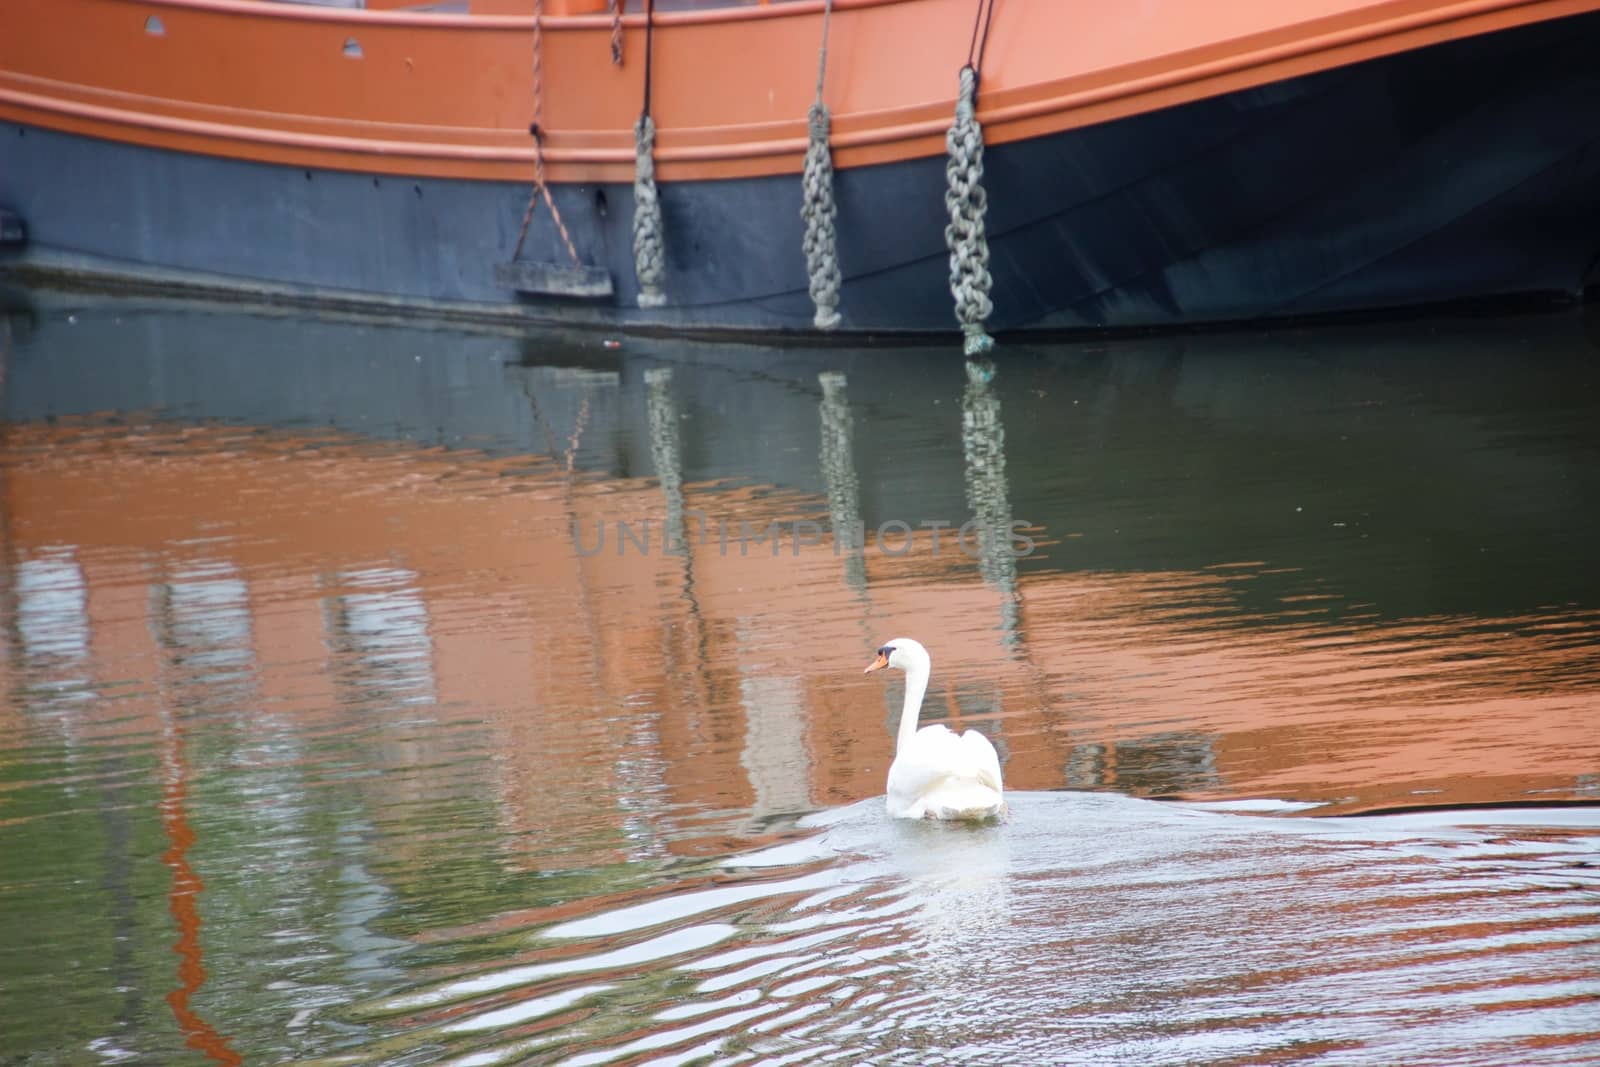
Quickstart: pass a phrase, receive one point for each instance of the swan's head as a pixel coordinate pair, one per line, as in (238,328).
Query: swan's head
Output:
(903,653)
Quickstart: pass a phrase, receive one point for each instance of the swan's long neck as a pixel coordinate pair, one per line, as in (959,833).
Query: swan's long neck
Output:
(916,686)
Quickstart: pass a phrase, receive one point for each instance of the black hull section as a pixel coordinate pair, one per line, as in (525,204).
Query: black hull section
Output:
(1462,171)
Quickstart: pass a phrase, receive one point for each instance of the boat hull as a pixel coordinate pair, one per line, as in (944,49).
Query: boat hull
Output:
(1459,171)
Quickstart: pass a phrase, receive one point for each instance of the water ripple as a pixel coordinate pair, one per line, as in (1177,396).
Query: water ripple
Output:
(1108,926)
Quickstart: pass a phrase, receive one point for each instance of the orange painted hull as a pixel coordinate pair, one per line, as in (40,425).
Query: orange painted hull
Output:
(126,88)
(452,95)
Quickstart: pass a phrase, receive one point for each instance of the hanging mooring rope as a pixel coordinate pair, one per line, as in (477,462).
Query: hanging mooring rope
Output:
(615,7)
(649,256)
(540,188)
(817,207)
(967,202)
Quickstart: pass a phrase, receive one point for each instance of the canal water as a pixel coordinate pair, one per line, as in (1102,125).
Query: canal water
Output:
(373,694)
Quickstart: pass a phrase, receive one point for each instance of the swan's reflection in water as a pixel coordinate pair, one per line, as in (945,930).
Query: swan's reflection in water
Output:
(959,877)
(1144,932)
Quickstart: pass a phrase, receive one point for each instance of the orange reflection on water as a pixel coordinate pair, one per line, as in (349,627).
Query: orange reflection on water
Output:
(1364,714)
(728,681)
(183,900)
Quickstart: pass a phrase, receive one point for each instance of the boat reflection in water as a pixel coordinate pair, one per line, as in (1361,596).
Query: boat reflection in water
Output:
(313,674)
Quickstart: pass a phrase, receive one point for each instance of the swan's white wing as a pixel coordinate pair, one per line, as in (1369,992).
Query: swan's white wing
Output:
(925,762)
(981,758)
(940,773)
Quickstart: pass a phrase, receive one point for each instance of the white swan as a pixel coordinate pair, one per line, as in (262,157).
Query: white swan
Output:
(935,774)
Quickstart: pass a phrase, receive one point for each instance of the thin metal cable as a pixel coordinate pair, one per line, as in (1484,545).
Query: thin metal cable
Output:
(978,45)
(822,56)
(649,48)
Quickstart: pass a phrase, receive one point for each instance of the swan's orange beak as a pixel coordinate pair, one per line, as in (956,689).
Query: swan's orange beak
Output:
(878,664)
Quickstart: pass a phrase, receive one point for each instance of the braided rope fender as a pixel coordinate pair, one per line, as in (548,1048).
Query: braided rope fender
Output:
(819,212)
(967,204)
(649,255)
